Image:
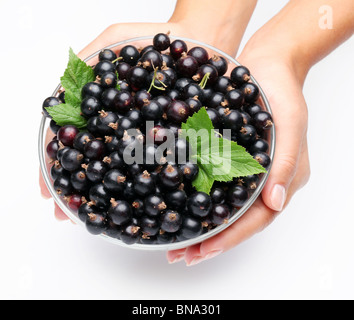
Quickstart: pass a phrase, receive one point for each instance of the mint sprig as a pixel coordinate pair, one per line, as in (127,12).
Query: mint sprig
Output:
(218,159)
(76,75)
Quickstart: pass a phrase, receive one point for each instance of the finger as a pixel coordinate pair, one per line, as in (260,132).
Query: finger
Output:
(59,214)
(290,120)
(175,256)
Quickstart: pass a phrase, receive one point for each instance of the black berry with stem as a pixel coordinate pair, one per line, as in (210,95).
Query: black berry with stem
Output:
(114,181)
(111,143)
(91,126)
(144,184)
(57,170)
(176,199)
(172,74)
(262,158)
(129,192)
(223,84)
(114,161)
(130,54)
(62,185)
(154,205)
(82,139)
(170,177)
(141,97)
(191,227)
(99,196)
(85,209)
(246,117)
(67,134)
(152,111)
(113,230)
(96,222)
(130,234)
(164,101)
(206,69)
(178,111)
(220,214)
(194,104)
(199,204)
(189,170)
(120,212)
(95,149)
(109,80)
(92,89)
(107,54)
(193,90)
(72,160)
(161,42)
(220,63)
(95,170)
(49,102)
(251,92)
(247,135)
(151,60)
(123,124)
(263,120)
(234,99)
(237,196)
(160,81)
(165,237)
(137,78)
(73,201)
(149,226)
(103,67)
(61,151)
(186,66)
(177,47)
(79,180)
(167,61)
(105,121)
(232,120)
(215,100)
(135,116)
(138,208)
(251,182)
(174,94)
(240,75)
(90,107)
(171,221)
(122,101)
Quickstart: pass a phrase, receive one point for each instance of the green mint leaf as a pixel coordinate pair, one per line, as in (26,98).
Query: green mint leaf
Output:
(218,159)
(76,75)
(64,114)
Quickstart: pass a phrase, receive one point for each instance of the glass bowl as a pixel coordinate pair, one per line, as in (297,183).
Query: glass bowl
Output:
(45,137)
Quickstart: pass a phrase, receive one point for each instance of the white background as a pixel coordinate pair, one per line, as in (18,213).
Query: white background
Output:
(307,253)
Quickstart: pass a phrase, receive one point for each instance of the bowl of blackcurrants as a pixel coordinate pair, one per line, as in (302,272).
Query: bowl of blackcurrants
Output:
(104,133)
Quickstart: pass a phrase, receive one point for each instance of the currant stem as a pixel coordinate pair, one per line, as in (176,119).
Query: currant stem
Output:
(204,81)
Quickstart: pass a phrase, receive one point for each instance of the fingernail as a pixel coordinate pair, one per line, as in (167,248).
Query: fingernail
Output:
(278,197)
(200,259)
(178,258)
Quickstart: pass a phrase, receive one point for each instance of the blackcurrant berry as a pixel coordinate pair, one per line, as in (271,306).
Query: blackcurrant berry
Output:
(220,214)
(130,234)
(105,121)
(232,120)
(251,92)
(67,134)
(223,84)
(170,177)
(199,204)
(90,107)
(114,181)
(149,226)
(217,196)
(49,102)
(171,221)
(151,60)
(220,63)
(154,205)
(130,54)
(96,222)
(109,80)
(234,99)
(177,47)
(240,75)
(95,170)
(99,195)
(52,149)
(79,180)
(263,120)
(120,212)
(189,170)
(144,184)
(260,145)
(199,54)
(178,111)
(262,158)
(103,67)
(62,185)
(137,78)
(247,135)
(206,69)
(107,54)
(95,149)
(122,70)
(161,42)
(238,196)
(92,89)
(81,140)
(191,227)
(72,160)
(152,111)
(186,66)
(176,199)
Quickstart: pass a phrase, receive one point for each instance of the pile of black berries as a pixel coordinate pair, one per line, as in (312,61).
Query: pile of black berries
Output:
(154,202)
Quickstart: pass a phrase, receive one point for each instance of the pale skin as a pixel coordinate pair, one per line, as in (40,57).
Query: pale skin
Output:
(279,55)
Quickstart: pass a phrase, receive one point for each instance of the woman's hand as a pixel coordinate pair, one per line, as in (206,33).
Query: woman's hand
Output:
(290,171)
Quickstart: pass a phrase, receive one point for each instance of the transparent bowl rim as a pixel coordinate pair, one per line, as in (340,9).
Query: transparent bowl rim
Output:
(176,245)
